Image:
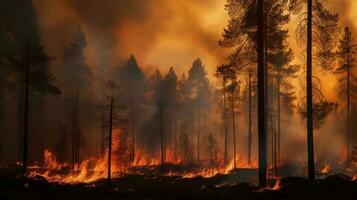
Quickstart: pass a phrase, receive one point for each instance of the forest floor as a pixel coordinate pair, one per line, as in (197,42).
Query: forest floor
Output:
(339,187)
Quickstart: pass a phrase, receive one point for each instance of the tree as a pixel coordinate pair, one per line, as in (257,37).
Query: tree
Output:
(213,150)
(279,70)
(245,32)
(170,102)
(160,104)
(199,93)
(133,81)
(76,82)
(317,27)
(261,98)
(222,74)
(348,82)
(29,61)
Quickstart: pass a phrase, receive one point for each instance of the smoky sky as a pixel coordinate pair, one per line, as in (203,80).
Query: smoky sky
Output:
(161,33)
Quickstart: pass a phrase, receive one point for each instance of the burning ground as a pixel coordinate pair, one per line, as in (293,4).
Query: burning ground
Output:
(176,187)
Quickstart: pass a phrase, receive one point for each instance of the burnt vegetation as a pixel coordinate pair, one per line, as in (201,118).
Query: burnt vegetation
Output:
(72,129)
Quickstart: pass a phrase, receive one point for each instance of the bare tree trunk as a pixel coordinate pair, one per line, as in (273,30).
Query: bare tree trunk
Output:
(250,117)
(225,122)
(102,137)
(73,139)
(261,96)
(310,126)
(161,110)
(198,133)
(110,139)
(26,109)
(348,106)
(279,119)
(234,127)
(175,134)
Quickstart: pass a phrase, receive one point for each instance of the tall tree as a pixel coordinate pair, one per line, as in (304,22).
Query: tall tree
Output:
(245,32)
(222,74)
(348,82)
(261,96)
(170,102)
(200,92)
(160,104)
(133,81)
(29,60)
(76,82)
(278,66)
(318,28)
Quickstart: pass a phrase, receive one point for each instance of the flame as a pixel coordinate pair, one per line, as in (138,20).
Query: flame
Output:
(277,185)
(325,169)
(93,169)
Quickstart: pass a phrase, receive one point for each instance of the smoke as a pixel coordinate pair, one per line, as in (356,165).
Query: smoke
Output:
(160,33)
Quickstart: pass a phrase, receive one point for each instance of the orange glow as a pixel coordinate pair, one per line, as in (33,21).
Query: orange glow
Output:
(93,169)
(277,185)
(325,169)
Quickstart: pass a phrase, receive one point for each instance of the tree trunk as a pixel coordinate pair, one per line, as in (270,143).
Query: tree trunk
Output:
(110,139)
(175,134)
(279,119)
(261,96)
(26,110)
(225,122)
(309,102)
(348,106)
(250,117)
(198,133)
(161,109)
(234,127)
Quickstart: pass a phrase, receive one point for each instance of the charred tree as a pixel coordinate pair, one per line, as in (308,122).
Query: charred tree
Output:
(110,137)
(347,50)
(261,95)
(310,127)
(250,117)
(76,81)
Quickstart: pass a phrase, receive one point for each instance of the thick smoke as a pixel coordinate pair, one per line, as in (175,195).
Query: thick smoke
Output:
(161,33)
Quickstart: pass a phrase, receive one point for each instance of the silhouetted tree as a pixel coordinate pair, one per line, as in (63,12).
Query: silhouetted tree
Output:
(199,93)
(28,60)
(261,99)
(245,32)
(133,81)
(222,74)
(317,27)
(170,102)
(348,82)
(76,81)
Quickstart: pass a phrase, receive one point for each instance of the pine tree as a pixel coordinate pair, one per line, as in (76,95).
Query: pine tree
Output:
(170,95)
(28,60)
(76,83)
(133,81)
(323,24)
(348,82)
(246,33)
(200,92)
(278,63)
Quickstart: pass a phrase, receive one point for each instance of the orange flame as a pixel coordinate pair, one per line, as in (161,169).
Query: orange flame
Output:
(325,169)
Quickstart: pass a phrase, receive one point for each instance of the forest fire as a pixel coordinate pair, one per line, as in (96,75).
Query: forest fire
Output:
(93,169)
(167,99)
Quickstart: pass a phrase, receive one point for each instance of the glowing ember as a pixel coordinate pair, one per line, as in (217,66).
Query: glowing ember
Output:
(277,185)
(325,169)
(354,178)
